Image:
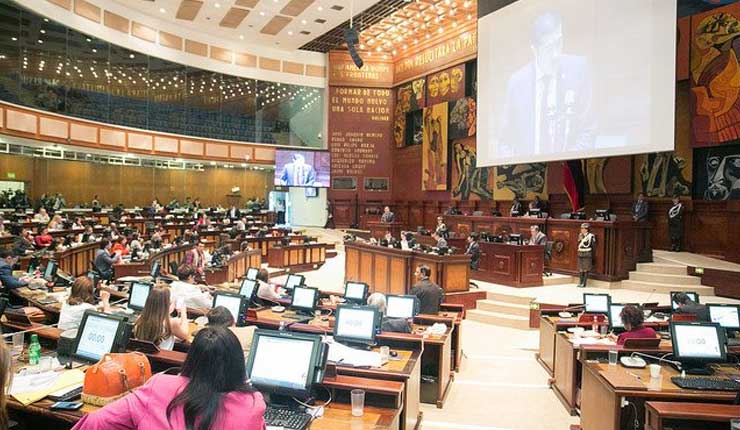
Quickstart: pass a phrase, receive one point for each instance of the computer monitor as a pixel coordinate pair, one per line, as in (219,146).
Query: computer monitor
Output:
(50,271)
(156,268)
(100,334)
(697,344)
(285,363)
(726,315)
(356,324)
(235,303)
(355,292)
(33,265)
(537,213)
(138,294)
(294,281)
(252,273)
(515,239)
(401,306)
(304,299)
(248,289)
(596,303)
(615,321)
(692,295)
(578,215)
(602,215)
(94,279)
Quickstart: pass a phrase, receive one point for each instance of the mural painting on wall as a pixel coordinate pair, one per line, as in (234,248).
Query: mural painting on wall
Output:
(446,85)
(409,98)
(717,173)
(462,118)
(469,182)
(434,148)
(610,175)
(523,181)
(715,75)
(664,174)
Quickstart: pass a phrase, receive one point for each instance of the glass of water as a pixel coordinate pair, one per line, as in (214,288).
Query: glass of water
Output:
(18,339)
(613,357)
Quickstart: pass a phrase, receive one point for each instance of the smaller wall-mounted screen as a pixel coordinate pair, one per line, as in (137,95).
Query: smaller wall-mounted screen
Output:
(302,168)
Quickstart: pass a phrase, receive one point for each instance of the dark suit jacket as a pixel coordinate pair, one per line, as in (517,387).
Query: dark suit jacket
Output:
(701,311)
(309,175)
(7,279)
(640,210)
(430,296)
(387,217)
(397,325)
(474,252)
(540,239)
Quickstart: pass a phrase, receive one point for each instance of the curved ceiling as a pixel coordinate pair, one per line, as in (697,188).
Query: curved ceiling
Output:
(277,24)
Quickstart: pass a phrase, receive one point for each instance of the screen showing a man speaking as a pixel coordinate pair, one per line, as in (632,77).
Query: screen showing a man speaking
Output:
(302,168)
(576,79)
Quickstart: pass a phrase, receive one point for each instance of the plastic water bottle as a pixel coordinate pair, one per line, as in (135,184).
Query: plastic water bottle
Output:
(34,350)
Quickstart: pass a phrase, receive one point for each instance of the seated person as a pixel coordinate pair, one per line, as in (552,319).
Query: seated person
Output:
(89,235)
(430,294)
(408,241)
(155,323)
(441,242)
(136,246)
(632,318)
(81,298)
(120,247)
(216,397)
(536,237)
(23,240)
(7,260)
(398,325)
(266,291)
(78,224)
(195,296)
(41,216)
(43,239)
(56,223)
(441,228)
(104,260)
(221,317)
(688,306)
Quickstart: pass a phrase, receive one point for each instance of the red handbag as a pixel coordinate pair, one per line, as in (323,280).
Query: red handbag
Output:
(114,376)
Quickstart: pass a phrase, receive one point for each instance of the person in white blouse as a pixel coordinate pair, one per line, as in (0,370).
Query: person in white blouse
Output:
(195,296)
(81,299)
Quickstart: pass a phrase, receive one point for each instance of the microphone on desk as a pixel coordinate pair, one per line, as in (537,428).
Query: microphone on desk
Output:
(673,362)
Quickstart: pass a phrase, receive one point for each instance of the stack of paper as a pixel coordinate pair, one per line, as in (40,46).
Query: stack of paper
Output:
(31,388)
(339,353)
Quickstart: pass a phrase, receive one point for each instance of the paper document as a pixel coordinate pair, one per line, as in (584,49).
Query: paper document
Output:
(339,353)
(34,387)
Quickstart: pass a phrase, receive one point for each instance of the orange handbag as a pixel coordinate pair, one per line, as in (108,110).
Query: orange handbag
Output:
(114,376)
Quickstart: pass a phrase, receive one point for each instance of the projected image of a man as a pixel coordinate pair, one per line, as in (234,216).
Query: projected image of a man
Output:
(548,100)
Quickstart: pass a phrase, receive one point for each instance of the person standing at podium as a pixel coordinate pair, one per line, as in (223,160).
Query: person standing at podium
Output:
(430,294)
(473,250)
(675,224)
(640,208)
(388,216)
(586,247)
(536,236)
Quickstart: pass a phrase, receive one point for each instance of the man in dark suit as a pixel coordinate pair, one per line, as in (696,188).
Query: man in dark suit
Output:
(298,172)
(640,208)
(234,213)
(536,236)
(430,294)
(549,99)
(473,250)
(7,261)
(388,216)
(688,306)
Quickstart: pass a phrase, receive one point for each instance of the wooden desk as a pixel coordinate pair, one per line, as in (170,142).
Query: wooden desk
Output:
(378,229)
(304,256)
(512,265)
(604,386)
(621,244)
(668,415)
(267,243)
(549,326)
(236,267)
(391,271)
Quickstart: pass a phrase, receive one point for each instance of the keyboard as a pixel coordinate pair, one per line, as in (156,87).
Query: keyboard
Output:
(701,383)
(286,418)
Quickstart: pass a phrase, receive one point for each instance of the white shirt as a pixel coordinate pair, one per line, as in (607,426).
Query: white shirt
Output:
(70,316)
(193,296)
(267,292)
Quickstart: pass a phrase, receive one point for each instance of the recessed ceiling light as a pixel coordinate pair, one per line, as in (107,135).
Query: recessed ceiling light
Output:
(131,56)
(162,10)
(303,21)
(290,33)
(42,31)
(241,36)
(262,13)
(217,5)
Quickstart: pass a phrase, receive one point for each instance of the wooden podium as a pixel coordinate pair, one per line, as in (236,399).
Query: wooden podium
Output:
(378,229)
(512,265)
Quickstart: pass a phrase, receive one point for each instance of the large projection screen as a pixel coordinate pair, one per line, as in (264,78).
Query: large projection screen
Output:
(567,79)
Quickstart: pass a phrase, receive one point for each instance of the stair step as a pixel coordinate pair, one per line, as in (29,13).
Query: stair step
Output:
(499,319)
(660,278)
(665,288)
(666,269)
(503,307)
(509,298)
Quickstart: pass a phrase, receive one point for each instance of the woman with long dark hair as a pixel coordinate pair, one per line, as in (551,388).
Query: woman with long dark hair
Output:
(210,393)
(155,323)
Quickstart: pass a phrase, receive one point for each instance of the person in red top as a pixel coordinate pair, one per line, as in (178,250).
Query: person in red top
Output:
(632,318)
(43,239)
(121,246)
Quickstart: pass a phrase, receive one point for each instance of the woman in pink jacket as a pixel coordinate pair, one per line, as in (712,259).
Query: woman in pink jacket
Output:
(211,393)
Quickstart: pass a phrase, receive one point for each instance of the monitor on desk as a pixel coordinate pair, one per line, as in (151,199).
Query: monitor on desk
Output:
(355,292)
(285,363)
(596,303)
(294,281)
(356,324)
(100,334)
(536,213)
(697,344)
(235,303)
(33,265)
(304,299)
(156,268)
(578,215)
(602,215)
(248,289)
(515,239)
(615,321)
(726,315)
(401,306)
(50,271)
(252,273)
(692,295)
(138,295)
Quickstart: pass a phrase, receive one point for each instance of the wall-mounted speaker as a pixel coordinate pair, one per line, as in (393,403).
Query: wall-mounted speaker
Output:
(352,38)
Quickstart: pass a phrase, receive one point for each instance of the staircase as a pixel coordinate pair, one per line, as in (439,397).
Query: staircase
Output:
(503,310)
(662,277)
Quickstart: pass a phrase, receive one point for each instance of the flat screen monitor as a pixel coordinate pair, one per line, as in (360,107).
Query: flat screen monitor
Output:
(537,213)
(252,273)
(138,295)
(285,363)
(695,344)
(302,168)
(248,289)
(596,303)
(602,215)
(615,321)
(294,281)
(155,270)
(235,303)
(515,239)
(401,306)
(100,334)
(356,324)
(726,315)
(50,271)
(304,299)
(692,295)
(355,292)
